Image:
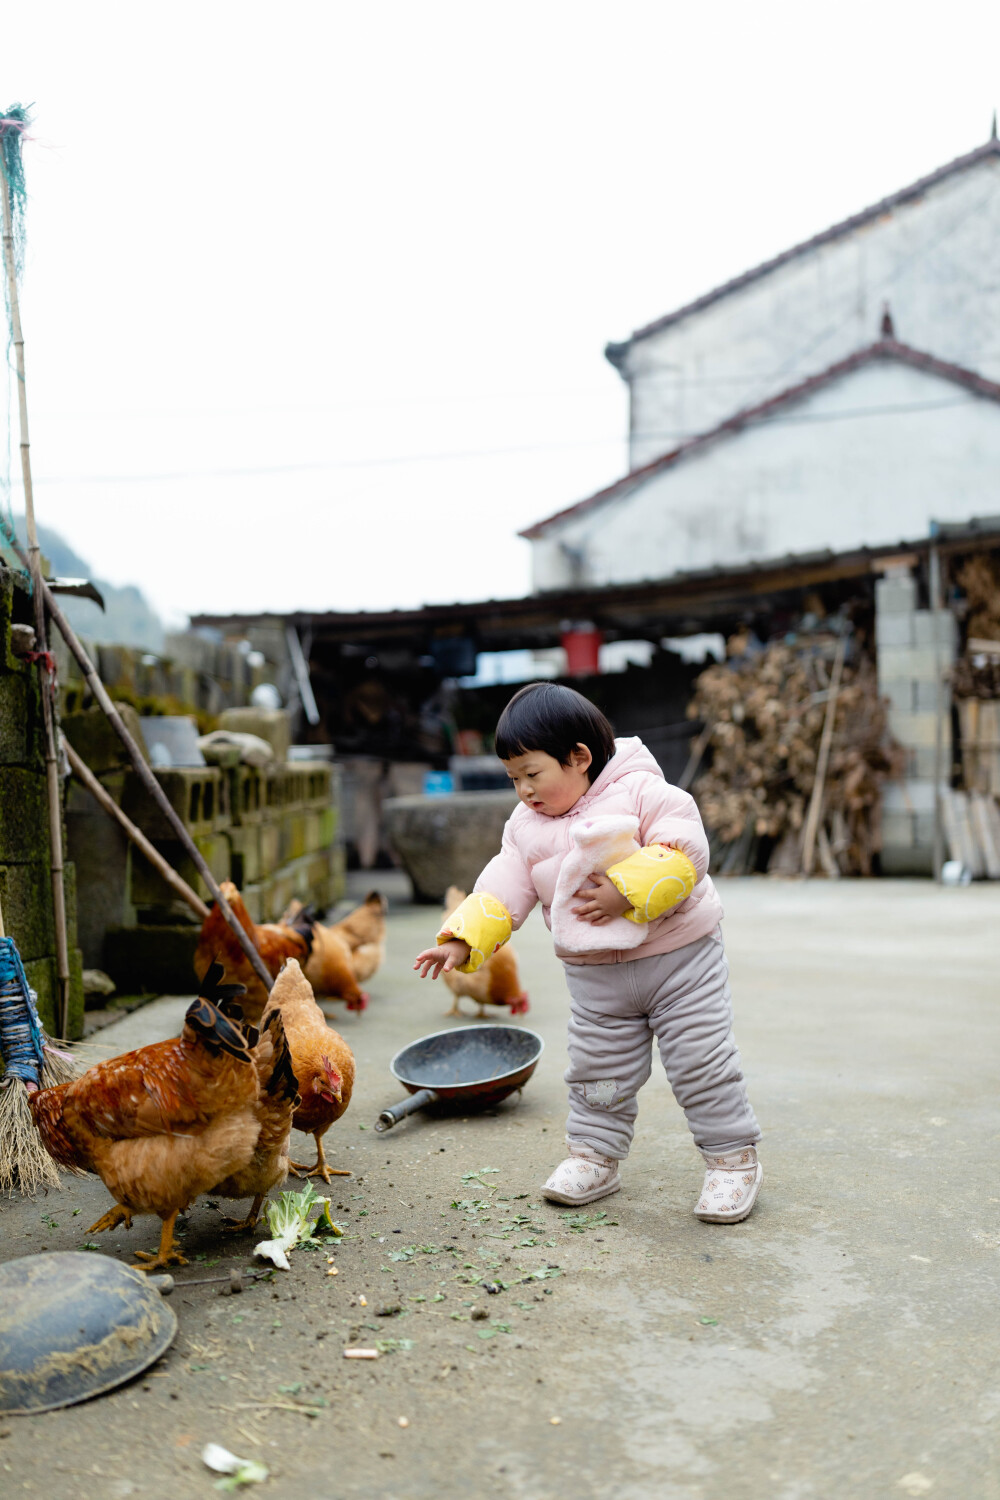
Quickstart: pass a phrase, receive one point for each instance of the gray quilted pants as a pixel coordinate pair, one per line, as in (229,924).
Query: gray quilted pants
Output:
(682,999)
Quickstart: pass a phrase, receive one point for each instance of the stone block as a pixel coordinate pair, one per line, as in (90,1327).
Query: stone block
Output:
(244,855)
(152,958)
(930,626)
(79,800)
(916,731)
(898,830)
(444,841)
(921,762)
(911,797)
(246,795)
(896,594)
(910,859)
(101,853)
(915,662)
(148,889)
(271,724)
(326,821)
(253,900)
(310,783)
(198,794)
(118,665)
(293,835)
(42,976)
(338,874)
(24,818)
(275,789)
(270,847)
(894,630)
(27,908)
(22,738)
(313,831)
(277,892)
(900,692)
(923,835)
(70,889)
(96,743)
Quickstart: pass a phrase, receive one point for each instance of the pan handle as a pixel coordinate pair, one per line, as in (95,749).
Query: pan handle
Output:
(396,1112)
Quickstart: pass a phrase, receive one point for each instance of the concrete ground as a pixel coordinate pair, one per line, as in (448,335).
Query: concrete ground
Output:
(839,1343)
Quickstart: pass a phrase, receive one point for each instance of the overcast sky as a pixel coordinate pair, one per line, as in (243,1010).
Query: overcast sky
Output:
(317,294)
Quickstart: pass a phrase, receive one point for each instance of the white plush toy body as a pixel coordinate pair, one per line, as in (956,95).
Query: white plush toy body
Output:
(598,843)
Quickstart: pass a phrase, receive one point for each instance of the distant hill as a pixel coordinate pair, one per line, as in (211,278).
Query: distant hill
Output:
(128,620)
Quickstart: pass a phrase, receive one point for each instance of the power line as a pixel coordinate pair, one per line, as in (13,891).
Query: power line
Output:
(459,455)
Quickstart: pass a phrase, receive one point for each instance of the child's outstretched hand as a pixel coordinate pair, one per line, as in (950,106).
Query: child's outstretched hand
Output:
(601,900)
(445,956)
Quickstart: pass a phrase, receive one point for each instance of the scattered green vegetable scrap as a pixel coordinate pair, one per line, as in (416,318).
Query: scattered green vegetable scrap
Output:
(288,1219)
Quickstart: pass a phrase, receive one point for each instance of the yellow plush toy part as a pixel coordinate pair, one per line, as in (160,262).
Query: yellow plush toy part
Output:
(653,880)
(481,921)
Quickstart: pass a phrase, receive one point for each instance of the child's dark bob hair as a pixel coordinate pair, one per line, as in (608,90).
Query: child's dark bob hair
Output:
(546,716)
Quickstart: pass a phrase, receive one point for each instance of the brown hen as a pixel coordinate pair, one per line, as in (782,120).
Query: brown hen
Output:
(277,1100)
(161,1125)
(346,953)
(322,1060)
(274,942)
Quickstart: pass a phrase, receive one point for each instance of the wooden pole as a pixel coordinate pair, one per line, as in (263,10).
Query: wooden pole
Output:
(822,760)
(41,632)
(152,786)
(937,606)
(694,759)
(86,777)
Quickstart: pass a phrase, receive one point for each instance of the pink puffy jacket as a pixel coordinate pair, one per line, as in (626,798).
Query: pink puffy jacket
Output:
(534,846)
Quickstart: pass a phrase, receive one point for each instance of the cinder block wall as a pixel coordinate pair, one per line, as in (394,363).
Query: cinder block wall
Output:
(25,862)
(274,832)
(915,650)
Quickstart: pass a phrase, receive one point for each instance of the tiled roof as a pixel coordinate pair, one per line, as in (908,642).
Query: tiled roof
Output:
(885,348)
(616,352)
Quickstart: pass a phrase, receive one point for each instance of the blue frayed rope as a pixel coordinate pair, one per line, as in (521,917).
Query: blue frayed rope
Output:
(22,1040)
(14,123)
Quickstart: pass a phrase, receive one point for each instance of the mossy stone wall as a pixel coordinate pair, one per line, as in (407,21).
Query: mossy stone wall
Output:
(25,856)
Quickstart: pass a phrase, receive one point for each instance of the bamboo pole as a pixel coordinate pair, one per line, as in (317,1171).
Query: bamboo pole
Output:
(822,761)
(41,632)
(86,777)
(152,786)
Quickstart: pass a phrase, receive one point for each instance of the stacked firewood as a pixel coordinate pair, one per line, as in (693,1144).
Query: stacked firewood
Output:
(979,579)
(764,711)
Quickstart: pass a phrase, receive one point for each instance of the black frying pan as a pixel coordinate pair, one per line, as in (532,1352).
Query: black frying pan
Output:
(477,1065)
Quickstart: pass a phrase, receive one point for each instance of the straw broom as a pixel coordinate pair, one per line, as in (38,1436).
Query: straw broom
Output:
(12,126)
(30,1062)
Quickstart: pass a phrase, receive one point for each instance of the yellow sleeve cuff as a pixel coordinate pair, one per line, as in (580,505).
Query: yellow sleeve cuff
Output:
(653,880)
(481,921)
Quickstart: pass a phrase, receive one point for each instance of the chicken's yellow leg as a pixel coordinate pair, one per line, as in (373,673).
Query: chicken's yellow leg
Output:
(320,1169)
(169,1253)
(111,1220)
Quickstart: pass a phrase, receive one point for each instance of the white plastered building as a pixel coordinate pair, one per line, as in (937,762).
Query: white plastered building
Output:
(843,395)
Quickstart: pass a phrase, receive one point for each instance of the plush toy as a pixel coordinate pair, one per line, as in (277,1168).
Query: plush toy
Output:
(599,843)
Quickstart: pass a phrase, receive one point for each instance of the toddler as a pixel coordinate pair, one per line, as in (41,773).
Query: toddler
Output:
(667,979)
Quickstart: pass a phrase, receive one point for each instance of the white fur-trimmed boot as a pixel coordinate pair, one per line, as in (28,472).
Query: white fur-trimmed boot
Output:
(731,1185)
(584,1176)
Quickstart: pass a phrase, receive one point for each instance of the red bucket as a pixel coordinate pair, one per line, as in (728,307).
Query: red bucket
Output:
(582,645)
